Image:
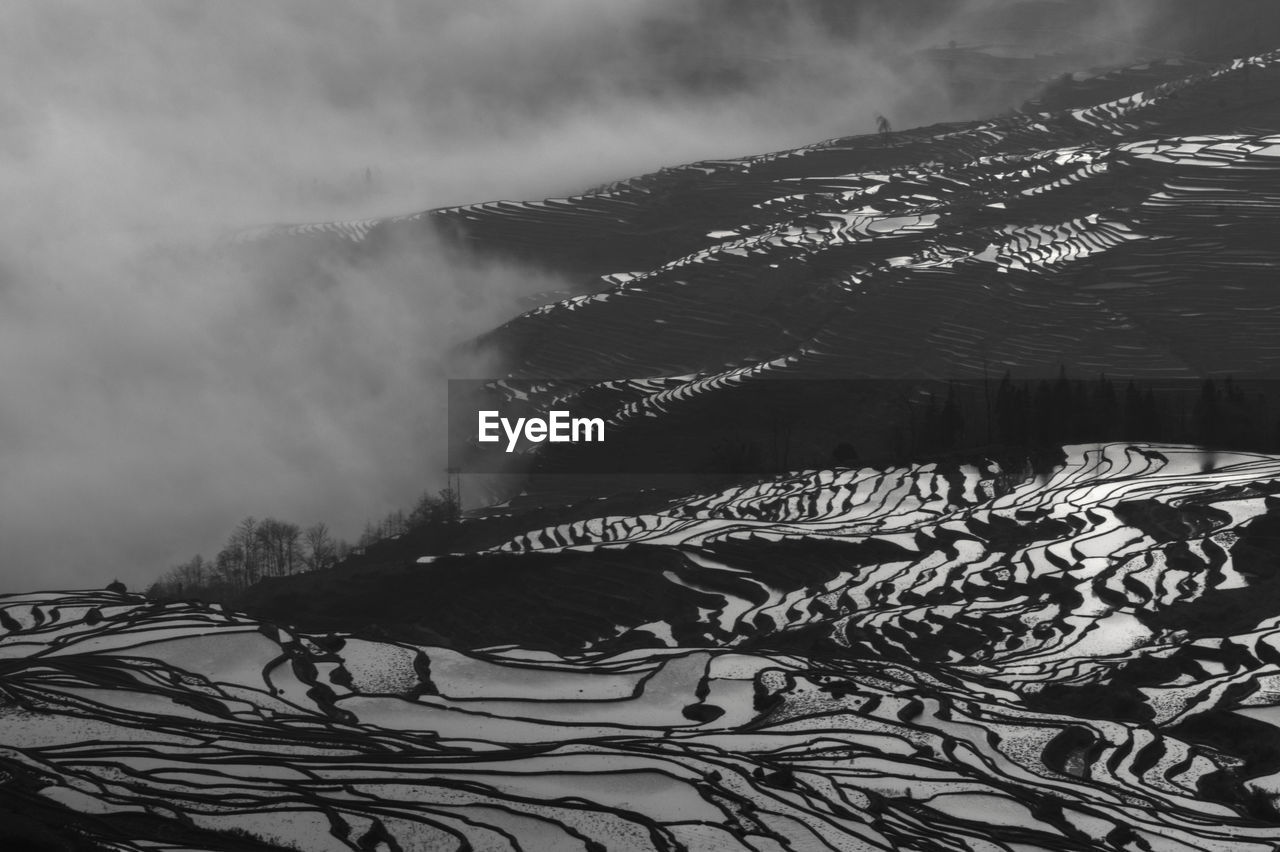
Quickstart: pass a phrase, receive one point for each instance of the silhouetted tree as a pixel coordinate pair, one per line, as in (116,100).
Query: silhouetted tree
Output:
(319,548)
(242,551)
(276,544)
(371,534)
(950,422)
(1105,420)
(1131,412)
(1206,415)
(844,454)
(395,523)
(930,428)
(1011,414)
(1044,428)
(431,509)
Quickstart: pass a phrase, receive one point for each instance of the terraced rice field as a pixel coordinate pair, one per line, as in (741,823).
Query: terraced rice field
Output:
(881,659)
(1131,237)
(931,656)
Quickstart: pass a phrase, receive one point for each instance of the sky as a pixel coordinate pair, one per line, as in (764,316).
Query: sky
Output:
(154,390)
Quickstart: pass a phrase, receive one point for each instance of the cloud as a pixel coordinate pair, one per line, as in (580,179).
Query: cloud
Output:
(157,387)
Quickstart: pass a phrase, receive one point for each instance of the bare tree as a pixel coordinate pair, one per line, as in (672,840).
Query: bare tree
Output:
(277,547)
(227,566)
(395,523)
(320,551)
(371,534)
(434,509)
(288,547)
(244,547)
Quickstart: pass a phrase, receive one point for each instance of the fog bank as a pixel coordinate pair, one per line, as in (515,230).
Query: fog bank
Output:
(155,390)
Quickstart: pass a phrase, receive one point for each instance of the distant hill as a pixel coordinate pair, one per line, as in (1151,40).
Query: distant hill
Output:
(1121,224)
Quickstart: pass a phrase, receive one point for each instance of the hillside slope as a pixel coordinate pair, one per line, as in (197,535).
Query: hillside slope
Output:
(947,653)
(859,659)
(1129,236)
